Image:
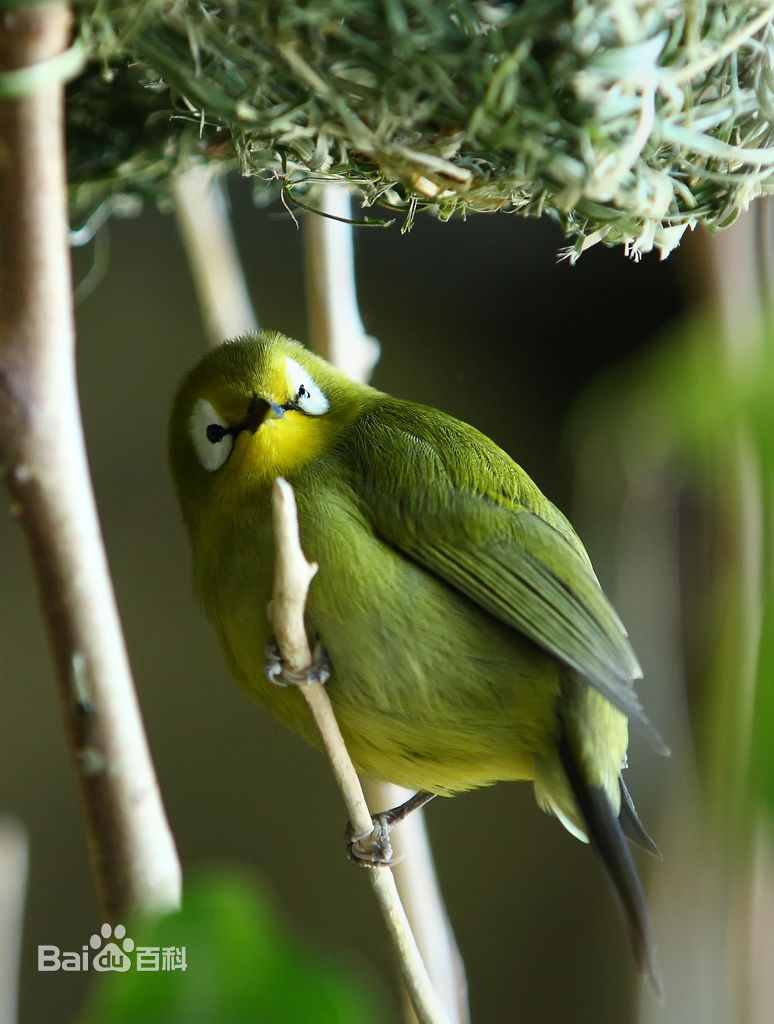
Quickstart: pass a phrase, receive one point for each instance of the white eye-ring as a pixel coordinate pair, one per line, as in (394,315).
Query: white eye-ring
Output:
(212,439)
(306,395)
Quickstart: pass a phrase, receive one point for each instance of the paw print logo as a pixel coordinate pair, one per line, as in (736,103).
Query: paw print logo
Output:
(109,956)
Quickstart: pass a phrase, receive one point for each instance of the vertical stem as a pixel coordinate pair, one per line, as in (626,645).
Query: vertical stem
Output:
(14,862)
(420,894)
(336,331)
(209,244)
(729,282)
(43,462)
(711,827)
(335,328)
(292,576)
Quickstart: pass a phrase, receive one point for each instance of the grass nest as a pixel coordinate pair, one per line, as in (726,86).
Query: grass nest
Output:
(627,121)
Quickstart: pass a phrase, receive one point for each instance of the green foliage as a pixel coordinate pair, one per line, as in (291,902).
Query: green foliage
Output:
(687,408)
(625,122)
(762,748)
(243,967)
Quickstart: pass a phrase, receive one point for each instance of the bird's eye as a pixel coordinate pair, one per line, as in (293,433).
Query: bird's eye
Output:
(212,439)
(307,395)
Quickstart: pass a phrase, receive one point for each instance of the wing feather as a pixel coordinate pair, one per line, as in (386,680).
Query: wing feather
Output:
(460,507)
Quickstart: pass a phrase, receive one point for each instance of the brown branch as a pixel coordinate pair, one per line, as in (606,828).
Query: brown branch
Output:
(43,461)
(292,576)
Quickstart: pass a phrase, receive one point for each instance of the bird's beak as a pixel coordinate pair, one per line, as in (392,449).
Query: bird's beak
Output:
(261,409)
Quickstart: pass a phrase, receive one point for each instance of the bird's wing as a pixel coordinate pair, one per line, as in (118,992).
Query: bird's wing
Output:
(460,507)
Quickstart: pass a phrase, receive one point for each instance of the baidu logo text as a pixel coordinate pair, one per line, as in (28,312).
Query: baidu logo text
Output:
(111,950)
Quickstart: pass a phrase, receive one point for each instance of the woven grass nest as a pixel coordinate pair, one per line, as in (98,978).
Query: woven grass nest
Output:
(627,121)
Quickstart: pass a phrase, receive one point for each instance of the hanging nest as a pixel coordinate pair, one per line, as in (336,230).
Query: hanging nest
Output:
(627,121)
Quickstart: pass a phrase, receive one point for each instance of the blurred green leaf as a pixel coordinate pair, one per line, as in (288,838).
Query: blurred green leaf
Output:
(243,965)
(698,413)
(762,747)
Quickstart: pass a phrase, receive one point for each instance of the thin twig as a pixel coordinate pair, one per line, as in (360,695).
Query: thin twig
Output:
(292,576)
(209,243)
(43,461)
(420,894)
(336,331)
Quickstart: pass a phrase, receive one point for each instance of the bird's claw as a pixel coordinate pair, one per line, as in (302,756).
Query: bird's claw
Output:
(374,849)
(278,673)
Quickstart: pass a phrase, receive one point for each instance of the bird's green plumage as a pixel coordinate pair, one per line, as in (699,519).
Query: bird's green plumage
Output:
(469,639)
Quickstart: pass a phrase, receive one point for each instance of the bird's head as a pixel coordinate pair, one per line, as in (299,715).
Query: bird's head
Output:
(253,409)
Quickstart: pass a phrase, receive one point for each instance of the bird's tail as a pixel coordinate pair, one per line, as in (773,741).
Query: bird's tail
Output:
(607,838)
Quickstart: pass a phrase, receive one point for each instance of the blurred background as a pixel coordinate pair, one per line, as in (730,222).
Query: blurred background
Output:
(581,373)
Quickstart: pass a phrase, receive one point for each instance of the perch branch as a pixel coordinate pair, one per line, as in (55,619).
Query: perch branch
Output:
(420,894)
(336,331)
(43,462)
(292,576)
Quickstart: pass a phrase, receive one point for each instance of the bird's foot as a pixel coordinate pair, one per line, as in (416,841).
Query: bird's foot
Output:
(374,849)
(278,673)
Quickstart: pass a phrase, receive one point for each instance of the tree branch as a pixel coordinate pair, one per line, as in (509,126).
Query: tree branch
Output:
(335,328)
(202,219)
(43,461)
(336,331)
(292,576)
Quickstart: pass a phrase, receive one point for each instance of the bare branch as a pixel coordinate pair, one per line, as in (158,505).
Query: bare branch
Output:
(43,460)
(212,255)
(420,894)
(336,331)
(293,574)
(335,328)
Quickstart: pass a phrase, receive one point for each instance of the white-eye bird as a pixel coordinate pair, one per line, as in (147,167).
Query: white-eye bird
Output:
(468,638)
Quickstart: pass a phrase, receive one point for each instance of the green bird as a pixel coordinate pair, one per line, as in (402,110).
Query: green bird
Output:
(468,638)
